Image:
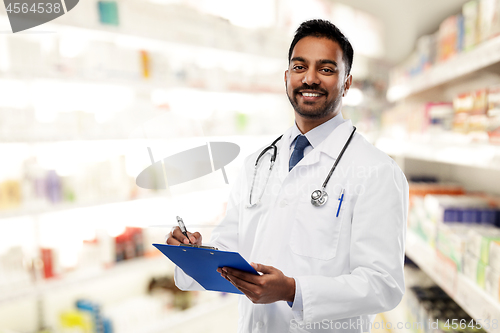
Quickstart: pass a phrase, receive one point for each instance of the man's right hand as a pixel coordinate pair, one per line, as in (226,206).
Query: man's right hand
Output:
(175,237)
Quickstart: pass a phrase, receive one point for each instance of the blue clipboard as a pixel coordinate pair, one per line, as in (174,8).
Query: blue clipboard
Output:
(201,264)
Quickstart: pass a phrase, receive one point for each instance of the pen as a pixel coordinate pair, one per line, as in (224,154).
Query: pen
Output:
(341,198)
(183,228)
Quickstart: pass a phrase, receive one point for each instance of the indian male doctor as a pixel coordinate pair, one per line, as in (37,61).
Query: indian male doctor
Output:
(324,268)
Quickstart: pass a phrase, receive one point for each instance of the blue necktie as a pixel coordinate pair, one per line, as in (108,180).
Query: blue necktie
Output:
(298,151)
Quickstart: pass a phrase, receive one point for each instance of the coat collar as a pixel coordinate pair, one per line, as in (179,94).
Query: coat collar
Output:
(331,146)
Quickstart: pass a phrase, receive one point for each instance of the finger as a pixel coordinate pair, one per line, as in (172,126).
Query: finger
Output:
(195,238)
(245,287)
(179,236)
(248,277)
(171,240)
(263,268)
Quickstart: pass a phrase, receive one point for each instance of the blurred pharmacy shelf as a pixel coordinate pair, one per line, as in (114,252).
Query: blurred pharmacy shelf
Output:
(482,56)
(52,208)
(478,155)
(79,277)
(205,57)
(475,301)
(203,317)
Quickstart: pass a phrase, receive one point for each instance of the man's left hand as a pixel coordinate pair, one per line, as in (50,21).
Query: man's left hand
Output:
(270,287)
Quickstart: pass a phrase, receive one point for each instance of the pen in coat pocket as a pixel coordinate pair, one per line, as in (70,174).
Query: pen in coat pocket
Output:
(341,198)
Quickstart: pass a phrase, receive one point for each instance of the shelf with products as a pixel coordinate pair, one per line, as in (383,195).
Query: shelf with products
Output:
(458,151)
(52,208)
(59,176)
(474,300)
(218,308)
(465,44)
(128,55)
(481,57)
(135,72)
(81,250)
(79,277)
(444,127)
(84,244)
(47,116)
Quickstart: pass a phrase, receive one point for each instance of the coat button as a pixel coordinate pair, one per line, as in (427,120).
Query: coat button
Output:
(260,324)
(283,203)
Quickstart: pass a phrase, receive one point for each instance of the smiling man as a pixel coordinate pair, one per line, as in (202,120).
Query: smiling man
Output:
(321,213)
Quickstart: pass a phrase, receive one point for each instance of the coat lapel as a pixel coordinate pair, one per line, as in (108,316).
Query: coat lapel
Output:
(331,146)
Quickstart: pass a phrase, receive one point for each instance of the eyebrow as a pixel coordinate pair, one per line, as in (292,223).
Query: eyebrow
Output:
(328,61)
(321,61)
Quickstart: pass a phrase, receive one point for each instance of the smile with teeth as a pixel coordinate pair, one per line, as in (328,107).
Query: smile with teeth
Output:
(305,94)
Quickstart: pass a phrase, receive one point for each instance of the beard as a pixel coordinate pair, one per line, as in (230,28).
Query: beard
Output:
(319,111)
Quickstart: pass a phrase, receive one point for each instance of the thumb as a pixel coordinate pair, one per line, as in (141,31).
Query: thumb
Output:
(262,268)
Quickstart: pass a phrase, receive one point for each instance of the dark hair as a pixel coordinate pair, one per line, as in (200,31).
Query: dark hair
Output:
(326,29)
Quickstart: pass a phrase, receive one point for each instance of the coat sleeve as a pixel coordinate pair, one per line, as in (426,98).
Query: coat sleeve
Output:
(376,281)
(224,236)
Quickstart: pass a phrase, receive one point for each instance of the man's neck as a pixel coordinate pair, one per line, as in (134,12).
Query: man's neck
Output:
(306,124)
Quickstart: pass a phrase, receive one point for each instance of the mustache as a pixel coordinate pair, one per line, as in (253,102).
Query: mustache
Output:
(314,87)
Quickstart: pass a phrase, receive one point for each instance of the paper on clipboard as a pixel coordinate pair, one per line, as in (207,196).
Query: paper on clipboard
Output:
(201,264)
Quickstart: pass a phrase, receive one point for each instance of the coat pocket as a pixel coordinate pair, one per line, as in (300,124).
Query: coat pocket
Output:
(316,230)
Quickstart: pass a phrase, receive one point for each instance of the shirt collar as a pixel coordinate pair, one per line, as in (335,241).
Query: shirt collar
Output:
(318,133)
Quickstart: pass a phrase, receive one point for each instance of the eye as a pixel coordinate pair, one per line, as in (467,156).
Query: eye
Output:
(298,67)
(327,70)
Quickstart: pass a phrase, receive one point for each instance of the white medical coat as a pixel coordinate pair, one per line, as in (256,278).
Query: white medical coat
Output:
(349,267)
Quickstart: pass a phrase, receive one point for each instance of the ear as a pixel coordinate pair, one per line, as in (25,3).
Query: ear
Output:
(286,77)
(347,85)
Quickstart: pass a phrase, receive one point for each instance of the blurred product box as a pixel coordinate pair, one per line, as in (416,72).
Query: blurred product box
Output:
(492,282)
(422,189)
(459,47)
(10,194)
(14,273)
(478,111)
(452,242)
(426,51)
(479,240)
(437,206)
(447,40)
(495,25)
(463,105)
(480,275)
(129,245)
(478,115)
(494,255)
(470,12)
(470,264)
(440,116)
(488,12)
(75,321)
(494,114)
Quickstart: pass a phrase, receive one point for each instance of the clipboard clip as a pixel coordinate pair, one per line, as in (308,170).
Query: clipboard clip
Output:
(200,246)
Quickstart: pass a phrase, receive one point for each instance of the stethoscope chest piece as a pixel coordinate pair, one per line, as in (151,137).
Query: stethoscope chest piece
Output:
(319,198)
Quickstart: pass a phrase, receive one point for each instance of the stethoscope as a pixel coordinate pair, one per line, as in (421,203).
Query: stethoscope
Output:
(318,197)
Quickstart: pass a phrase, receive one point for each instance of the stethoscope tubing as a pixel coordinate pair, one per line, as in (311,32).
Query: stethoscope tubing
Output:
(338,159)
(323,195)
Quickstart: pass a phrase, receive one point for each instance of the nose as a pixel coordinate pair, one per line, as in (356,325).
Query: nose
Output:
(311,77)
